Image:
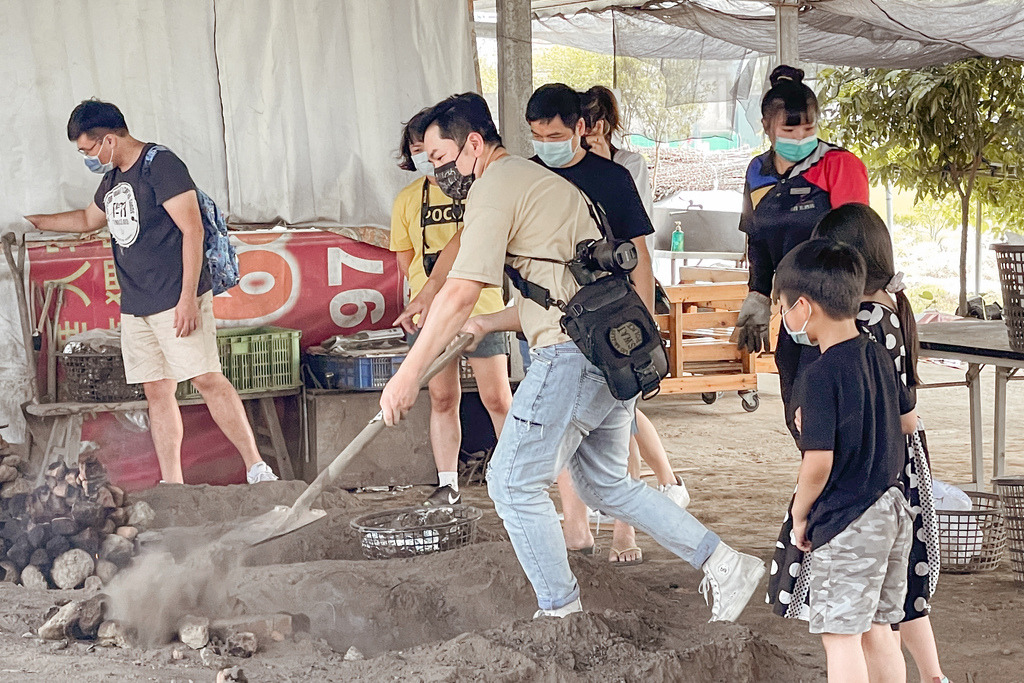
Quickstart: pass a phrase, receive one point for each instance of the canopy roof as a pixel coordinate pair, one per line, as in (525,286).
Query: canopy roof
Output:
(861,33)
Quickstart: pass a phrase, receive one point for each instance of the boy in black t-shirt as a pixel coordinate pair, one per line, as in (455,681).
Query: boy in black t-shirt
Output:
(849,511)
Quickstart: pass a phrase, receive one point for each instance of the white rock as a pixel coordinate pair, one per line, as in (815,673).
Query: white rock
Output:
(141,516)
(194,632)
(71,569)
(31,577)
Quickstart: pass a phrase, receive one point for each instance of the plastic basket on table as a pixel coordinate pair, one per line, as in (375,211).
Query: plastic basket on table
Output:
(413,531)
(349,373)
(972,540)
(1011,495)
(1010,258)
(95,378)
(256,359)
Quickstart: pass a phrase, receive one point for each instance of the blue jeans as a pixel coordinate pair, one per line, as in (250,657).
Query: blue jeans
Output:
(563,414)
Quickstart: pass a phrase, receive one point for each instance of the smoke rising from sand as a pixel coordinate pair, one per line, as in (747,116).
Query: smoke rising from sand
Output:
(151,597)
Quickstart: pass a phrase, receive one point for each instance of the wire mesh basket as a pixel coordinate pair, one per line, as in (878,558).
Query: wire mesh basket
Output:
(1010,258)
(1011,494)
(414,531)
(95,378)
(972,540)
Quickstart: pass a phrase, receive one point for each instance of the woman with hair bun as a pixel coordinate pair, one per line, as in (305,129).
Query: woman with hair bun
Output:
(788,189)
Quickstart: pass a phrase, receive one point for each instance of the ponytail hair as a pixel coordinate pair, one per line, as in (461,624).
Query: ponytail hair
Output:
(861,228)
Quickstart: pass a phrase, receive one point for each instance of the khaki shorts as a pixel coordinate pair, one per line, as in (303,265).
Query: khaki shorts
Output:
(860,576)
(152,352)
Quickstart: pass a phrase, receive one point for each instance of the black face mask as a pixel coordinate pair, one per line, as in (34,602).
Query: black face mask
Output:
(451,181)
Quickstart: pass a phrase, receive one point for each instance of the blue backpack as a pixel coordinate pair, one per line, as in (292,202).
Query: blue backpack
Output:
(221,259)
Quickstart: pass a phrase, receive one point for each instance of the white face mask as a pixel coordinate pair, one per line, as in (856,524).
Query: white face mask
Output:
(94,164)
(798,336)
(422,163)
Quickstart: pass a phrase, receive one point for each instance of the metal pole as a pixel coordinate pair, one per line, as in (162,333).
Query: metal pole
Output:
(515,73)
(977,250)
(888,206)
(787,21)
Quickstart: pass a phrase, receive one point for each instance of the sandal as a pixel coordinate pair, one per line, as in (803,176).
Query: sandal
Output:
(626,563)
(586,552)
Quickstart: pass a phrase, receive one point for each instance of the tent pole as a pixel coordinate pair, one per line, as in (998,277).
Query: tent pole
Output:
(787,22)
(515,73)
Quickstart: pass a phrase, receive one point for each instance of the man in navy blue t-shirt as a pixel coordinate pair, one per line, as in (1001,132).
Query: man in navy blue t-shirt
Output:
(168,333)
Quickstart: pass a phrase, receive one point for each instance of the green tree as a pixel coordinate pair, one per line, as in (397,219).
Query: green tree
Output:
(940,131)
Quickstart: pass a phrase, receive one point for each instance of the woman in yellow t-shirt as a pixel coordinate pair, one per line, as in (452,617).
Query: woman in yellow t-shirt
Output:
(423,221)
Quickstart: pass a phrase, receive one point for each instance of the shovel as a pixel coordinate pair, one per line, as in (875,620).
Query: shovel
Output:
(284,520)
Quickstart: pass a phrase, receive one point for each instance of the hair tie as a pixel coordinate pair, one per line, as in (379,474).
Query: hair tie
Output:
(896,284)
(783,78)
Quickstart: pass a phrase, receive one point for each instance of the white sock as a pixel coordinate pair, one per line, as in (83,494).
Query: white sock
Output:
(448,479)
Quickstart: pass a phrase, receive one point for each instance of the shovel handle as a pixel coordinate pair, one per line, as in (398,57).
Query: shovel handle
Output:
(9,239)
(371,430)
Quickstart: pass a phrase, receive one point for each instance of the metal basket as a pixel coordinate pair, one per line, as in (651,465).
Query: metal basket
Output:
(1010,258)
(414,531)
(95,378)
(972,540)
(1011,495)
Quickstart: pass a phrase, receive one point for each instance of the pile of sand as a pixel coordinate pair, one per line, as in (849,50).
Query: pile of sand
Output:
(451,616)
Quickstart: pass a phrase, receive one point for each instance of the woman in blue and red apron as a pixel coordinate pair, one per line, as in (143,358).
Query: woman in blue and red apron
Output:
(788,190)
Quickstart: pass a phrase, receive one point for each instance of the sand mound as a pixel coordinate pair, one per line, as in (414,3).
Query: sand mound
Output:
(178,505)
(586,647)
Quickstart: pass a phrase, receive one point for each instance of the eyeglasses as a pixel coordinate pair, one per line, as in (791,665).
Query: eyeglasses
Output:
(85,152)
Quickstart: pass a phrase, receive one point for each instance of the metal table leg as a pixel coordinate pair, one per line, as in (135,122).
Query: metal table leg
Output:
(977,427)
(999,424)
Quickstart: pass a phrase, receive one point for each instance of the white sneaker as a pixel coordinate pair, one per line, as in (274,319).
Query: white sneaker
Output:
(732,578)
(677,493)
(260,472)
(561,612)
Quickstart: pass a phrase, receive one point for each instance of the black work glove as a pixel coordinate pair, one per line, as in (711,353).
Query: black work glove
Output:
(754,323)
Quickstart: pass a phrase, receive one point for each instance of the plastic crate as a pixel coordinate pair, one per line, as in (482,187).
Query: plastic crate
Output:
(1010,258)
(95,378)
(256,359)
(347,373)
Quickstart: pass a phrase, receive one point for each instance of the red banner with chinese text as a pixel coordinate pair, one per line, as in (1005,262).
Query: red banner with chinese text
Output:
(315,281)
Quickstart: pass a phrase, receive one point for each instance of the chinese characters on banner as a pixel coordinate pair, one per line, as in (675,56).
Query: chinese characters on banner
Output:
(318,282)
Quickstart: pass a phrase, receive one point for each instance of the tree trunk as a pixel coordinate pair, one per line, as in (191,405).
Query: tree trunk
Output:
(657,164)
(965,219)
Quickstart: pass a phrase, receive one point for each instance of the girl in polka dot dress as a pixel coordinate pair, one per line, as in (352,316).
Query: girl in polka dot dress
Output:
(887,317)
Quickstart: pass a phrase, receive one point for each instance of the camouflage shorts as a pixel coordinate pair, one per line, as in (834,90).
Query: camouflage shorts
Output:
(860,576)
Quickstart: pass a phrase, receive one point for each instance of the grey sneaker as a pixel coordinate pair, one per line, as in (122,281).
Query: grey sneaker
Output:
(677,492)
(561,612)
(732,578)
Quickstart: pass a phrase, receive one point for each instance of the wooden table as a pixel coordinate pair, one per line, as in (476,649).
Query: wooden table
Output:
(685,256)
(977,343)
(65,424)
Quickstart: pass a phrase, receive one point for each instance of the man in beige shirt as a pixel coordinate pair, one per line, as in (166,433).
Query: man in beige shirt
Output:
(563,413)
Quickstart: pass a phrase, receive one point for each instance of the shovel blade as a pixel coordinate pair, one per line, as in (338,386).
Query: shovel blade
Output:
(278,522)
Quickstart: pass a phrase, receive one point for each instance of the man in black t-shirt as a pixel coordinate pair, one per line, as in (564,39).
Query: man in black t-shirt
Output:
(555,115)
(168,333)
(849,511)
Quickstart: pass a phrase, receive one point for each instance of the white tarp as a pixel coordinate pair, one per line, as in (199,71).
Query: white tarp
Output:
(283,110)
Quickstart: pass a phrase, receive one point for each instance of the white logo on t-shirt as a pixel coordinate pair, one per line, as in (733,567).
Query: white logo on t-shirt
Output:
(122,214)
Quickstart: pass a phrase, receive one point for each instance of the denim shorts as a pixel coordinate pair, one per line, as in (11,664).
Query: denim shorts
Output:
(494,344)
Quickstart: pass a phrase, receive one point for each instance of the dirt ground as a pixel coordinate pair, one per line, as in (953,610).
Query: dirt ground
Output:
(464,615)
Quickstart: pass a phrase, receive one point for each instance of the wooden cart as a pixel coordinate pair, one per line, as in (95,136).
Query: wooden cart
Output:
(702,357)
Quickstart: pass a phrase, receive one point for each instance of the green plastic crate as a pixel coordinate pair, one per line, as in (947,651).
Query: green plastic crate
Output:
(255,359)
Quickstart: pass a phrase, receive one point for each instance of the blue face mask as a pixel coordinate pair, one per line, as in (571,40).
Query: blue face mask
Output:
(94,164)
(798,336)
(555,154)
(422,164)
(795,150)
